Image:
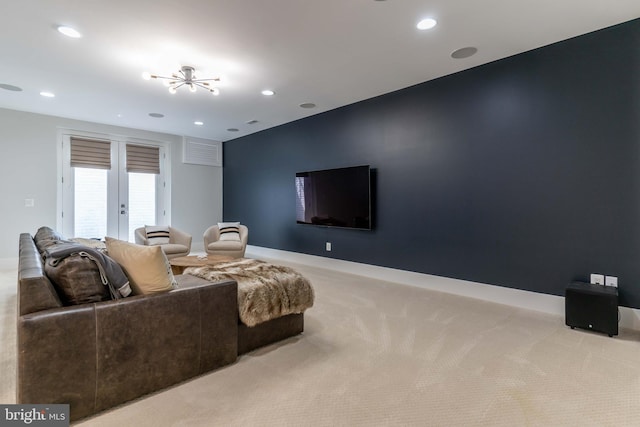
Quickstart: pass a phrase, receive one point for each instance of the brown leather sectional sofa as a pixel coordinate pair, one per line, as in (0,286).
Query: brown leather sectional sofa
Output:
(99,355)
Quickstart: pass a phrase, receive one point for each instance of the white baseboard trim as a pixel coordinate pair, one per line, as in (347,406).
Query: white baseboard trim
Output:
(551,304)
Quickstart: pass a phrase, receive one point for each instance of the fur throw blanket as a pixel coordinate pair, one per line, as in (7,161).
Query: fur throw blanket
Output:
(265,291)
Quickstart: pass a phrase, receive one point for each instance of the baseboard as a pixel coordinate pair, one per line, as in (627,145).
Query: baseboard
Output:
(551,304)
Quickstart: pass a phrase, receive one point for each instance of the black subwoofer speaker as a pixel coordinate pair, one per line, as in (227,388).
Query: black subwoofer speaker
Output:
(593,307)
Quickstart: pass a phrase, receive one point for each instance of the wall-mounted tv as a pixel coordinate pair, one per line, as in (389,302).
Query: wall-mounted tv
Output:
(335,197)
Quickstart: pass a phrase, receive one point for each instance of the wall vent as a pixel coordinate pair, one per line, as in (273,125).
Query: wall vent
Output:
(201,152)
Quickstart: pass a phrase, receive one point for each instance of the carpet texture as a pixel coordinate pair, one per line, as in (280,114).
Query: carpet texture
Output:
(376,353)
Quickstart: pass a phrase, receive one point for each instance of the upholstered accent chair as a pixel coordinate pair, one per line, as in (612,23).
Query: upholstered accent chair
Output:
(233,247)
(179,243)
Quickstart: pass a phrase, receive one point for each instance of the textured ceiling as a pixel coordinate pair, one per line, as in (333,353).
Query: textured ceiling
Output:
(330,53)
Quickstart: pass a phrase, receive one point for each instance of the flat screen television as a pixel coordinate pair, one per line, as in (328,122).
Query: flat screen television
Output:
(335,197)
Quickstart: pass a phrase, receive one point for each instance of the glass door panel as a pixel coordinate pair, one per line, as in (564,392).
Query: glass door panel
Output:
(90,207)
(142,201)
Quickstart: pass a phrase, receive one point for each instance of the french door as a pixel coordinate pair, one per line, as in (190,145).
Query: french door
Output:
(112,186)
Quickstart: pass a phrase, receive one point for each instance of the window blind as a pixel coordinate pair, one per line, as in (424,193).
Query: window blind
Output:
(90,153)
(143,159)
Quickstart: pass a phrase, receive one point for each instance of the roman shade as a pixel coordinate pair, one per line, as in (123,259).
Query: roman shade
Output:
(90,153)
(143,159)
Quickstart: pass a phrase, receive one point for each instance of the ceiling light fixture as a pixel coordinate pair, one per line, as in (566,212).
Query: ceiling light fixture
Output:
(187,77)
(47,94)
(268,92)
(69,32)
(426,24)
(198,123)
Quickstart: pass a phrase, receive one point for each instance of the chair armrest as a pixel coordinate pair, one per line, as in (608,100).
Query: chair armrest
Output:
(211,234)
(141,236)
(179,237)
(244,235)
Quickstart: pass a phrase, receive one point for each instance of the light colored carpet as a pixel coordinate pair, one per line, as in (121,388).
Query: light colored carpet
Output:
(8,281)
(379,353)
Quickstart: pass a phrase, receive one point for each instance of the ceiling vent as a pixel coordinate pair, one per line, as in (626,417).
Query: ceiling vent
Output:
(201,152)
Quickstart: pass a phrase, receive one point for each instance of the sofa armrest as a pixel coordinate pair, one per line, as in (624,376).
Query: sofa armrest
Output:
(57,358)
(35,291)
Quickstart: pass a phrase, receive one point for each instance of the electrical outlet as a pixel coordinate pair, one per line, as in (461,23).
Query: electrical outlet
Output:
(597,279)
(611,281)
(328,246)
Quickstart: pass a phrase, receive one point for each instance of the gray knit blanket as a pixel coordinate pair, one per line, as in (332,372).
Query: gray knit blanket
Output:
(265,291)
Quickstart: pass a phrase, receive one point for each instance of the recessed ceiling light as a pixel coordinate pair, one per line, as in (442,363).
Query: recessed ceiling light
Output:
(198,123)
(156,115)
(464,52)
(268,92)
(10,87)
(426,24)
(47,94)
(252,122)
(308,105)
(233,130)
(69,32)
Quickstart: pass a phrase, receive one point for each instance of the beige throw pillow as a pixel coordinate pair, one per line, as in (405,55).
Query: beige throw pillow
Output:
(146,266)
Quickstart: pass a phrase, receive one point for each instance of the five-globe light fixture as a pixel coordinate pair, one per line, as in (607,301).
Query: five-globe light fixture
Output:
(187,77)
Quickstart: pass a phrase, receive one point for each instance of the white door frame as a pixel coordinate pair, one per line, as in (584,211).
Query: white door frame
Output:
(117,223)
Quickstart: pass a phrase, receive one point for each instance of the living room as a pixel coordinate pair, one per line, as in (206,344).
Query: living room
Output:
(504,182)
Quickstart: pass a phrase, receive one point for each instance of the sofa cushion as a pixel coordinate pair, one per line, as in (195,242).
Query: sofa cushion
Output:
(229,231)
(157,234)
(77,280)
(146,266)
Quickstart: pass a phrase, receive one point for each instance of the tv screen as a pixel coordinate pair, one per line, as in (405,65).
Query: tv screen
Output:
(334,197)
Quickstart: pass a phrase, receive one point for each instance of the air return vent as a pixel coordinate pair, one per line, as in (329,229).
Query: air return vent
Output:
(201,152)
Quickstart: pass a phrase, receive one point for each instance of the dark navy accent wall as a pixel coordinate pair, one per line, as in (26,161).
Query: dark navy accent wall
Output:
(523,173)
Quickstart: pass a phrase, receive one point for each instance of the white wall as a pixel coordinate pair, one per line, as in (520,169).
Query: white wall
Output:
(196,196)
(28,169)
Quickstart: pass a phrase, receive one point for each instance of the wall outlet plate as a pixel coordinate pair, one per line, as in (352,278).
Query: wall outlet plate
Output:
(328,246)
(611,281)
(597,279)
